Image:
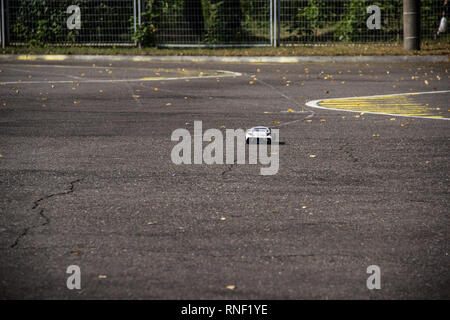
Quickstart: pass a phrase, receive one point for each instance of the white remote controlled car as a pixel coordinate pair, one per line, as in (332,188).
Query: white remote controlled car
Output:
(259,134)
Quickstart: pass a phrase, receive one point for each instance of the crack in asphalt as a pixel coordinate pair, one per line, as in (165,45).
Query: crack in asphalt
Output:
(229,168)
(41,211)
(70,190)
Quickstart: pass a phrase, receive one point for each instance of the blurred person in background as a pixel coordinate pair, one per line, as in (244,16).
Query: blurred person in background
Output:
(443,22)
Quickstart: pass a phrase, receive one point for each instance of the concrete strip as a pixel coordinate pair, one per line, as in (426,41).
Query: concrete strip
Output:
(264,59)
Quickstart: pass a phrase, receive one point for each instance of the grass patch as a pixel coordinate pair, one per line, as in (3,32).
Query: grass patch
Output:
(428,48)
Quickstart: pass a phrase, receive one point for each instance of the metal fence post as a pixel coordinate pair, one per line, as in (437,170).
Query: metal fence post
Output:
(3,35)
(271,22)
(411,24)
(276,23)
(139,13)
(134,19)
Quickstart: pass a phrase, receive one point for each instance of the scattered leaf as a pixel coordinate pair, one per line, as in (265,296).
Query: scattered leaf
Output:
(231,287)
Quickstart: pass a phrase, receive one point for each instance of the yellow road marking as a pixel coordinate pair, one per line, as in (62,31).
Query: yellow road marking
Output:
(397,104)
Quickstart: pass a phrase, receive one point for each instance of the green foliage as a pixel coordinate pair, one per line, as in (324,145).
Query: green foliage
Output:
(353,22)
(41,22)
(310,18)
(146,32)
(215,23)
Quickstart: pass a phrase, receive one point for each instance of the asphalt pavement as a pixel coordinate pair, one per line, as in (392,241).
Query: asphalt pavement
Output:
(86,179)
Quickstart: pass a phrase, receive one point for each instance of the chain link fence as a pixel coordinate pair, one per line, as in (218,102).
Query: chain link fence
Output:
(212,22)
(95,22)
(352,21)
(322,21)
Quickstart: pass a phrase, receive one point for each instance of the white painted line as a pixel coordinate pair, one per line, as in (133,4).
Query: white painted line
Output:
(230,74)
(314,104)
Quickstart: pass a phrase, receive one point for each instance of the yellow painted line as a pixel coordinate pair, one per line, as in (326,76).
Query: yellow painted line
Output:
(402,104)
(55,58)
(26,58)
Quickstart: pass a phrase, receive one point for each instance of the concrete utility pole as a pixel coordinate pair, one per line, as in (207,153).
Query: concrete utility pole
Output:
(411,24)
(3,33)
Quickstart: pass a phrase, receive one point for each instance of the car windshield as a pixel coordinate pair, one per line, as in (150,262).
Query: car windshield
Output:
(260,129)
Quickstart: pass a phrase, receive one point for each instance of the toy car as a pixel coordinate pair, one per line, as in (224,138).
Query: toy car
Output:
(259,133)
